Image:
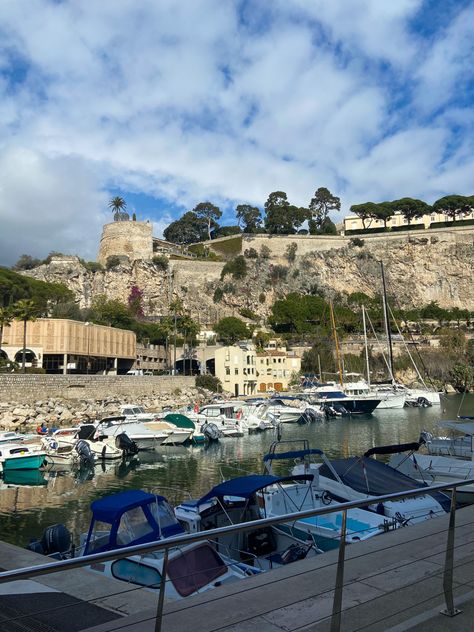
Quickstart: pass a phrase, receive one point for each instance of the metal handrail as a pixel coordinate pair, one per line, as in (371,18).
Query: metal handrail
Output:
(189,538)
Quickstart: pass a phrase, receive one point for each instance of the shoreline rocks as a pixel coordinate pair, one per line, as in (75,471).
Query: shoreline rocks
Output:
(60,412)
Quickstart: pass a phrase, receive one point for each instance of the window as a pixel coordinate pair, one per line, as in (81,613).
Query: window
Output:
(227,370)
(136,573)
(236,371)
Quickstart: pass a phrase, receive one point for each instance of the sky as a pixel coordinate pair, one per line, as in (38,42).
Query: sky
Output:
(170,103)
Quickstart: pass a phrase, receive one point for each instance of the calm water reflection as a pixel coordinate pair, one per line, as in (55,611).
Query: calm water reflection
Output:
(25,510)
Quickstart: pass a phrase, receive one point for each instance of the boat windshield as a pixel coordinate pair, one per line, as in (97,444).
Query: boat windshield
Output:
(163,514)
(133,526)
(195,568)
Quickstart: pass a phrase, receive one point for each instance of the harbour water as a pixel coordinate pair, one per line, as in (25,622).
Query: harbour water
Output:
(35,501)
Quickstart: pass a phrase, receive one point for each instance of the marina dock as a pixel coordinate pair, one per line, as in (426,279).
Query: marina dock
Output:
(391,582)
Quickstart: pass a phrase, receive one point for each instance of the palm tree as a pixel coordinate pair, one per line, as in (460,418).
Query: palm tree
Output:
(118,206)
(6,318)
(25,310)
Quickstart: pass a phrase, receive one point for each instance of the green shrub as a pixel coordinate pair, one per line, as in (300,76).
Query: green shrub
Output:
(290,252)
(251,253)
(278,273)
(262,297)
(93,266)
(218,295)
(209,382)
(112,262)
(228,288)
(265,252)
(247,313)
(161,262)
(356,242)
(236,267)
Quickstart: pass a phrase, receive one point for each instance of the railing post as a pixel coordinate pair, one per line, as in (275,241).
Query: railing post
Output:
(337,602)
(161,596)
(450,610)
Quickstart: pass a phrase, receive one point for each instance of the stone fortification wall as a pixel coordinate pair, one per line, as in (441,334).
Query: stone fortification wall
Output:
(229,247)
(30,388)
(133,239)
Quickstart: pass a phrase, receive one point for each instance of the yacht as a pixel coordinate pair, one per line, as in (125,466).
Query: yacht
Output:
(334,402)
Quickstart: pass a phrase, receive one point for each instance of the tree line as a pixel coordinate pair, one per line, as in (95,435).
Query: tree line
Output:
(453,207)
(279,217)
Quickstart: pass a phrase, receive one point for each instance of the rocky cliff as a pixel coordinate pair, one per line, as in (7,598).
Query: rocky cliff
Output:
(419,269)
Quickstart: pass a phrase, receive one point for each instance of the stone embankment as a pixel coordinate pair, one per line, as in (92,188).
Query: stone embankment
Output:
(27,401)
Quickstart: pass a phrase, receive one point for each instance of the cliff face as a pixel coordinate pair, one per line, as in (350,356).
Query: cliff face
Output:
(419,269)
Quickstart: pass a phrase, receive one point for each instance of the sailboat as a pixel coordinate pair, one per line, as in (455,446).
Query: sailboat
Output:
(392,393)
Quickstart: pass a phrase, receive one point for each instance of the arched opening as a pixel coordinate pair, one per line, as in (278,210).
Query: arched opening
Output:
(3,355)
(30,356)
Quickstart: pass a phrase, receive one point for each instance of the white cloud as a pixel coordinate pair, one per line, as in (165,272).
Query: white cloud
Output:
(183,102)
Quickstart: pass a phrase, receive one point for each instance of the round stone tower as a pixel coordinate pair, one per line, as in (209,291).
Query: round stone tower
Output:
(124,238)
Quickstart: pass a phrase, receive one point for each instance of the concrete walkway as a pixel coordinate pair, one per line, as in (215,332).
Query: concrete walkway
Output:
(62,602)
(392,582)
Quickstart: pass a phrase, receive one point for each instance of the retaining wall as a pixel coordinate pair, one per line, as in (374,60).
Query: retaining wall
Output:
(30,388)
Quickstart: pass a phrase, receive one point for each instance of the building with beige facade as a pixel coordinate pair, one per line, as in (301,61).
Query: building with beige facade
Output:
(243,370)
(353,222)
(68,346)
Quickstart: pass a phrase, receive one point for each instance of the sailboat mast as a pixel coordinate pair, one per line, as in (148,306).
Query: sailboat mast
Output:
(387,326)
(336,342)
(366,345)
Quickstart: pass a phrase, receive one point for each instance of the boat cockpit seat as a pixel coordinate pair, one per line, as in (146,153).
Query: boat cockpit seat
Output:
(261,542)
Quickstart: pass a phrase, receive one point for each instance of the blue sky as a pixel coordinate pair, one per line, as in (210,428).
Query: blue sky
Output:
(171,103)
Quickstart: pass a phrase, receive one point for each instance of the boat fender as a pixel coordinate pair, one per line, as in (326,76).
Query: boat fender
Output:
(56,539)
(380,509)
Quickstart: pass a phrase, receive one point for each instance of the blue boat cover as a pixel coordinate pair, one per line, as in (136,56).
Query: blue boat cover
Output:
(294,454)
(107,509)
(245,486)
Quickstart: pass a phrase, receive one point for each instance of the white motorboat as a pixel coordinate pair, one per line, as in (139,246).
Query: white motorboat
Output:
(137,517)
(102,448)
(237,501)
(355,478)
(389,396)
(225,415)
(332,400)
(457,445)
(435,470)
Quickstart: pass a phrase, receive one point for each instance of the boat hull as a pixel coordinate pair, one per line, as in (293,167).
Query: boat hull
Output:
(26,462)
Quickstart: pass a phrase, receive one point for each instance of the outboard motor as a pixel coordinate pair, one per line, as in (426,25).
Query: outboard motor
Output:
(86,458)
(56,541)
(422,402)
(124,443)
(210,431)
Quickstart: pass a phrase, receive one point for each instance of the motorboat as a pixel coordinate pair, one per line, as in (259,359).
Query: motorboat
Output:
(102,447)
(333,402)
(356,478)
(16,456)
(144,437)
(435,470)
(138,517)
(457,445)
(238,500)
(289,409)
(225,415)
(361,524)
(388,394)
(63,455)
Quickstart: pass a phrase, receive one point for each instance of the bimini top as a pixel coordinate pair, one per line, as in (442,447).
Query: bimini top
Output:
(467,426)
(109,508)
(150,519)
(245,486)
(180,421)
(293,454)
